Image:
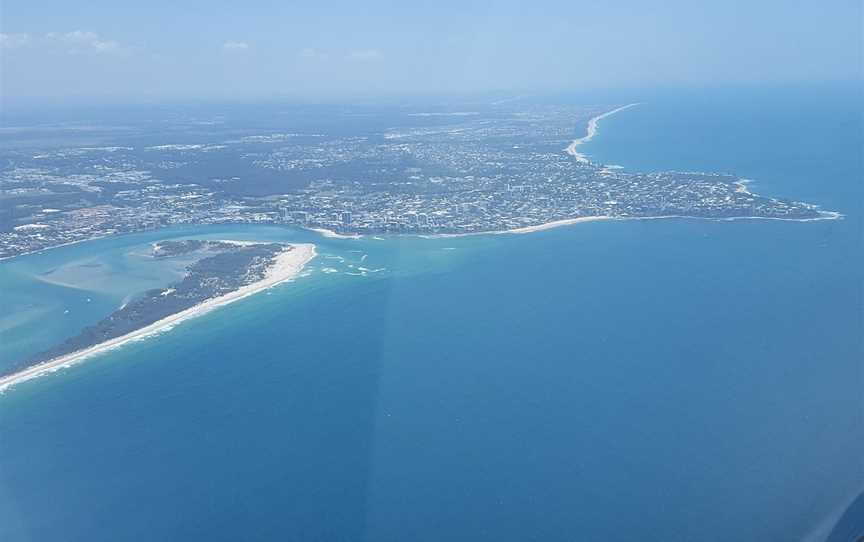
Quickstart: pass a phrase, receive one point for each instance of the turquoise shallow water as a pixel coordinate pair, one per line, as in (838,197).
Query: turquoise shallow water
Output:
(666,380)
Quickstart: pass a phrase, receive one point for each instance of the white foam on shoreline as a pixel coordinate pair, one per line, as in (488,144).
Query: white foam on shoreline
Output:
(592,131)
(286,266)
(823,215)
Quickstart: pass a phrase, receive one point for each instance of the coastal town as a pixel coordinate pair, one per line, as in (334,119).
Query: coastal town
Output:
(461,172)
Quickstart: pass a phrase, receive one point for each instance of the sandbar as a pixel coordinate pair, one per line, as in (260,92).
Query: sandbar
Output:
(285,267)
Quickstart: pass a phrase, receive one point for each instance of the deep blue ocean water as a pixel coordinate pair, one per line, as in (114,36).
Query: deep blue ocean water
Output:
(652,380)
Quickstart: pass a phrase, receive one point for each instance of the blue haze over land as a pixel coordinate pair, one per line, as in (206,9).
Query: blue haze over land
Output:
(659,379)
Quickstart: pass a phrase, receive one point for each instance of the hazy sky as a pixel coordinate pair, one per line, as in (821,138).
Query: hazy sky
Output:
(108,50)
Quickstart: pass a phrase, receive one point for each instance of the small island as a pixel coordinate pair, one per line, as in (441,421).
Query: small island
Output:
(225,271)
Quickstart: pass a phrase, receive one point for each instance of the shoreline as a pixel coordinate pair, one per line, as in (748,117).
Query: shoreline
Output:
(824,215)
(286,266)
(330,234)
(591,132)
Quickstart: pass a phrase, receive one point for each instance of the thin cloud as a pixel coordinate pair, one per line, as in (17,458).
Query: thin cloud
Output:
(14,41)
(313,54)
(364,55)
(80,41)
(235,46)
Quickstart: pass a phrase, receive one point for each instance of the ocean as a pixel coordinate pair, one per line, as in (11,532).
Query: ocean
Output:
(658,379)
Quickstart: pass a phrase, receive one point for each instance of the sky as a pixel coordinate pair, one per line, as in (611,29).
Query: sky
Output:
(70,51)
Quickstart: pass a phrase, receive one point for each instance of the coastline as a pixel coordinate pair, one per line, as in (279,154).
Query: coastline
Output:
(286,266)
(592,131)
(824,215)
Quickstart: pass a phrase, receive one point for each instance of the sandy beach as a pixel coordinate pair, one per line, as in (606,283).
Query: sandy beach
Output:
(333,235)
(555,224)
(287,266)
(592,131)
(823,215)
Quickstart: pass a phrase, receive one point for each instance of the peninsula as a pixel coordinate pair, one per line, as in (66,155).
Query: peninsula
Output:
(514,167)
(226,271)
